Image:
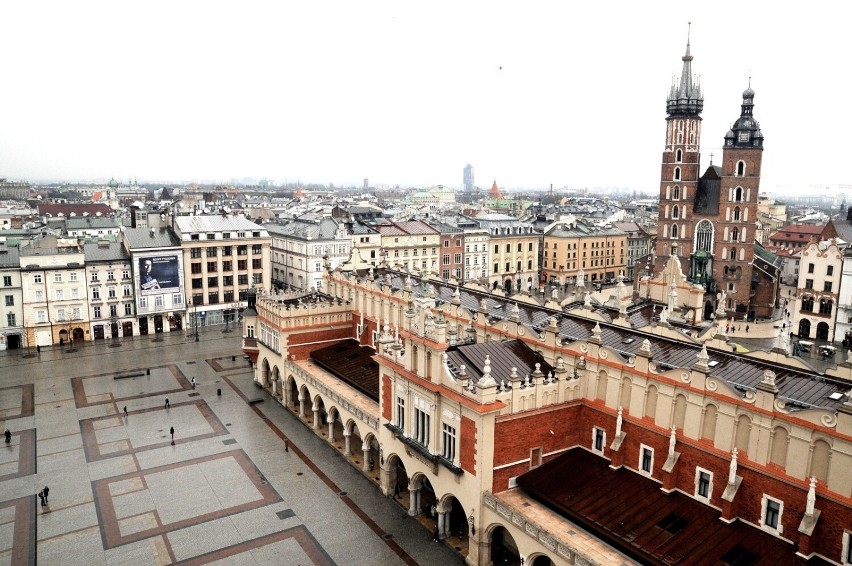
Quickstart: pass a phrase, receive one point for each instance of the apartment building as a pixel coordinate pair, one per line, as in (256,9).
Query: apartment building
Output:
(574,245)
(223,257)
(53,283)
(111,295)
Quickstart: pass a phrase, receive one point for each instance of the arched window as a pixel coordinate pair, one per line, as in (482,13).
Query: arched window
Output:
(676,193)
(674,230)
(678,156)
(626,390)
(651,402)
(733,253)
(679,417)
(738,194)
(704,236)
(736,213)
(740,168)
(600,394)
(675,212)
(677,174)
(735,235)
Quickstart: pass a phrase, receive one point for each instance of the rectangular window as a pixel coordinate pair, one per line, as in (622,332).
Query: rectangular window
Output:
(195,253)
(211,267)
(242,279)
(703,483)
(829,270)
(809,283)
(772,509)
(242,264)
(421,426)
(60,315)
(113,310)
(60,295)
(598,440)
(457,258)
(646,459)
(96,311)
(211,252)
(110,276)
(41,317)
(128,309)
(177,299)
(212,282)
(256,263)
(227,265)
(228,297)
(37,278)
(125,274)
(448,442)
(111,292)
(446,259)
(10,300)
(212,298)
(126,291)
(158,302)
(94,276)
(57,278)
(810,268)
(7,281)
(535,457)
(143,302)
(826,287)
(10,319)
(226,250)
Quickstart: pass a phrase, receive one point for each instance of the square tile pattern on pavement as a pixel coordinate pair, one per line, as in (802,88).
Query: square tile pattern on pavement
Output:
(94,426)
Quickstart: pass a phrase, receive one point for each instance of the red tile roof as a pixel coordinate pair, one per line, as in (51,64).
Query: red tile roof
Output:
(630,512)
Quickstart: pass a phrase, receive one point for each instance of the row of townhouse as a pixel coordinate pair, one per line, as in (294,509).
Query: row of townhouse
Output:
(524,434)
(197,271)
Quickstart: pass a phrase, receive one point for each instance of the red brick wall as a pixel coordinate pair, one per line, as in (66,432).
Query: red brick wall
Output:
(302,344)
(467,446)
(386,400)
(518,434)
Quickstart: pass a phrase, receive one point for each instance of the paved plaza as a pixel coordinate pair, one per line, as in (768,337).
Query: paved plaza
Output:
(223,490)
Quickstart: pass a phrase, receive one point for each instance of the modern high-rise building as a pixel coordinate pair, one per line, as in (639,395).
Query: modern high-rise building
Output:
(468,177)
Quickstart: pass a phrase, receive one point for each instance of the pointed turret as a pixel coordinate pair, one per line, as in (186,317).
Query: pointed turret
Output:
(746,131)
(685,97)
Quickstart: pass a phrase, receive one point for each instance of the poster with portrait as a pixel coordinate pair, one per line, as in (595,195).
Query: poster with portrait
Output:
(159,274)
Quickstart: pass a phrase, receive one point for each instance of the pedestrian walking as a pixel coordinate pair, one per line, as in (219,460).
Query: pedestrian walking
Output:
(286,446)
(172,432)
(125,411)
(193,382)
(46,491)
(435,534)
(746,328)
(41,497)
(8,436)
(38,348)
(167,403)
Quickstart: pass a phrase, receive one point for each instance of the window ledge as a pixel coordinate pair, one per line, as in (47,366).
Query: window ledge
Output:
(422,451)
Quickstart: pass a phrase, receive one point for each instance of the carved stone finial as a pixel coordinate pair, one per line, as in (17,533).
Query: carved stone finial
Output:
(809,509)
(703,356)
(619,421)
(672,441)
(732,470)
(456,297)
(646,346)
(596,331)
(486,380)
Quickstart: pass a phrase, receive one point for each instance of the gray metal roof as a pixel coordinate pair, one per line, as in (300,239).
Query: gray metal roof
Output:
(325,229)
(215,223)
(105,251)
(142,238)
(799,389)
(10,256)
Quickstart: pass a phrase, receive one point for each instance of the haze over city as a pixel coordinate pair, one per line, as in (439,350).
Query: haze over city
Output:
(402,94)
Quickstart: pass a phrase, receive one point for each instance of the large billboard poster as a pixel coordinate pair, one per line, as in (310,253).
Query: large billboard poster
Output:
(159,274)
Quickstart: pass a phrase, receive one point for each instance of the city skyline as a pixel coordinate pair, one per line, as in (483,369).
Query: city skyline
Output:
(403,95)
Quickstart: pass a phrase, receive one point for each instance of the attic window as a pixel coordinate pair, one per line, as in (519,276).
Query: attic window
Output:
(836,396)
(713,363)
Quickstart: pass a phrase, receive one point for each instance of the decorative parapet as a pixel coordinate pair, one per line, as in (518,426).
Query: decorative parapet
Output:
(552,542)
(340,400)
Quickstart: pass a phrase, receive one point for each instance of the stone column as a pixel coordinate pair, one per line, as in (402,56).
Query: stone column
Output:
(316,411)
(330,421)
(301,404)
(442,525)
(347,450)
(414,500)
(365,447)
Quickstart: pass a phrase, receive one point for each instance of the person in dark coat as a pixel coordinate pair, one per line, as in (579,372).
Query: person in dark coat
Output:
(46,491)
(41,497)
(8,436)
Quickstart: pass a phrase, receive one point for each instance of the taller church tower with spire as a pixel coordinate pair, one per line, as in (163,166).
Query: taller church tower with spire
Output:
(708,221)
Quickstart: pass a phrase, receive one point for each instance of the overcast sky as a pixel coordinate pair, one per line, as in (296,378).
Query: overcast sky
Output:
(407,93)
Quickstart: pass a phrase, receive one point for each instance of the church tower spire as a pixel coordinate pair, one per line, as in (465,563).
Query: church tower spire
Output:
(680,166)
